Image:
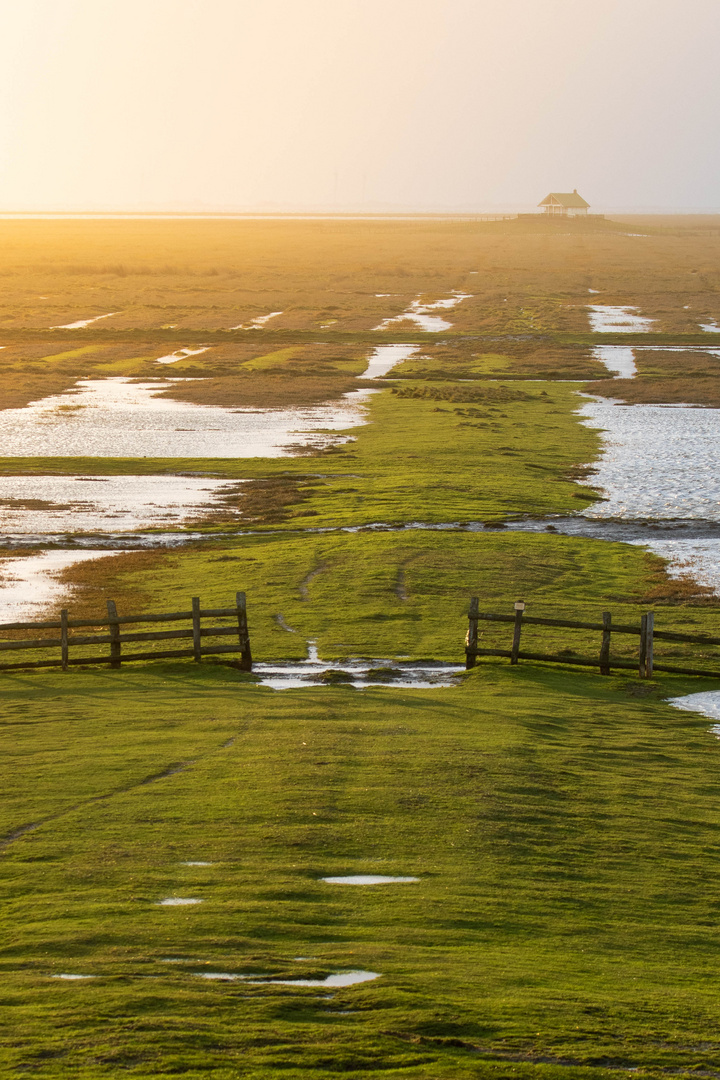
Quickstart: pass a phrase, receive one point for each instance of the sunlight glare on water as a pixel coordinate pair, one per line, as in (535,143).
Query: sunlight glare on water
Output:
(121,418)
(52,504)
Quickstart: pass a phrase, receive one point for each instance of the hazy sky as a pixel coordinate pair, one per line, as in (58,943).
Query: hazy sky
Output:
(467,104)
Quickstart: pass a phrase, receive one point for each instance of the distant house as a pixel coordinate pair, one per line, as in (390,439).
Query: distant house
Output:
(568,203)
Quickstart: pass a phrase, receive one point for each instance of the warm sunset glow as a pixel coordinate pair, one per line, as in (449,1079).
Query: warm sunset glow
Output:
(183,104)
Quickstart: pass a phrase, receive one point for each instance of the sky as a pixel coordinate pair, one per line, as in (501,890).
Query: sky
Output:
(346,105)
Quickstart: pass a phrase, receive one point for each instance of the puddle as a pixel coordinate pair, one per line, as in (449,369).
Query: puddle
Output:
(369,879)
(344,978)
(618,359)
(258,323)
(196,864)
(606,319)
(385,357)
(181,354)
(360,674)
(29,585)
(74,504)
(73,976)
(423,314)
(706,703)
(121,418)
(84,322)
(178,901)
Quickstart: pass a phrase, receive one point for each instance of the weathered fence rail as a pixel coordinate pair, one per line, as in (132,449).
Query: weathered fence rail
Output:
(117,639)
(645,663)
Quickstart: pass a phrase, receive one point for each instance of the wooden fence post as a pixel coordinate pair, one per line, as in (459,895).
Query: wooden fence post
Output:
(649,631)
(114,628)
(519,608)
(197,656)
(605,647)
(643,645)
(243,633)
(471,640)
(64,638)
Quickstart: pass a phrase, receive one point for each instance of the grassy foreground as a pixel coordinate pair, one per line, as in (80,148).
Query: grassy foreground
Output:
(564,830)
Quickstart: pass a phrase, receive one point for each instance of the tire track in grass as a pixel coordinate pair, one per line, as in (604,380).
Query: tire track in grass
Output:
(171,770)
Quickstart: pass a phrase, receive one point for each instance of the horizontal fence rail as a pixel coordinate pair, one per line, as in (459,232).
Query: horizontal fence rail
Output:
(196,635)
(645,663)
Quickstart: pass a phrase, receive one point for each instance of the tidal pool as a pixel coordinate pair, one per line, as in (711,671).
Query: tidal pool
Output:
(423,314)
(618,359)
(257,323)
(181,354)
(385,357)
(121,418)
(29,584)
(608,319)
(707,703)
(82,504)
(81,323)
(658,461)
(661,463)
(698,559)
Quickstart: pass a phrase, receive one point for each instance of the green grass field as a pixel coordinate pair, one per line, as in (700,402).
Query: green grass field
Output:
(564,831)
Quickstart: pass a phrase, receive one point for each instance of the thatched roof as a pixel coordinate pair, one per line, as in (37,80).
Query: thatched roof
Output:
(569,199)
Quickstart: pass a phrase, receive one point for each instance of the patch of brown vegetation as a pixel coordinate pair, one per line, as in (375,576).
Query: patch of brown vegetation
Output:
(17,391)
(513,360)
(646,390)
(98,580)
(263,390)
(268,501)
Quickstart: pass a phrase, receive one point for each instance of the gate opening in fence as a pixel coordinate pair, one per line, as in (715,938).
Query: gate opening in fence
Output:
(646,632)
(68,647)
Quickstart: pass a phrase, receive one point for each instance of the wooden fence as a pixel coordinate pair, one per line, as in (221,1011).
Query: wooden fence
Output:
(117,639)
(646,632)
